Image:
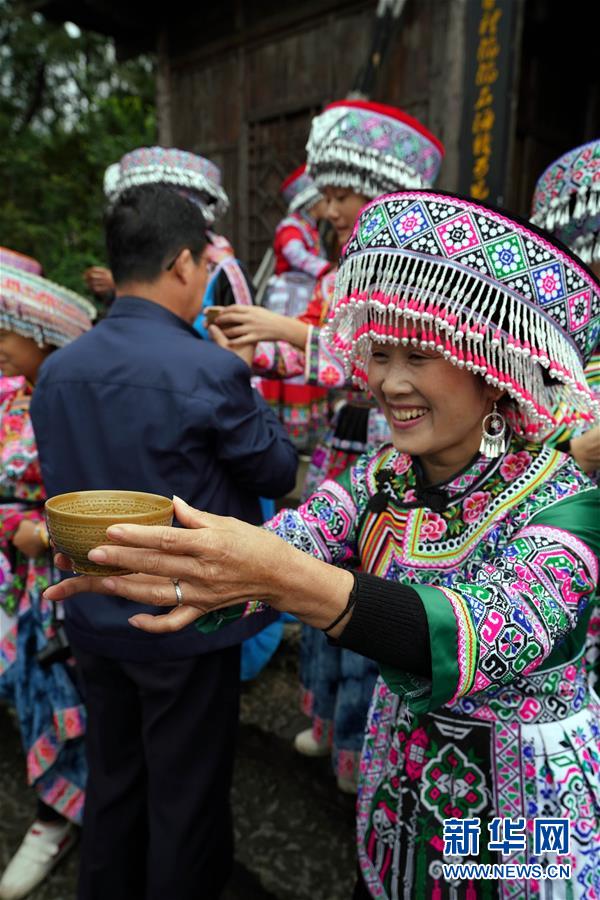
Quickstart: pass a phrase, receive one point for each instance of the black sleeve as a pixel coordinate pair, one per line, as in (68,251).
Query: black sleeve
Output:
(563,446)
(388,624)
(223,292)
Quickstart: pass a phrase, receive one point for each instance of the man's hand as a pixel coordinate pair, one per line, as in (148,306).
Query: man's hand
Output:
(99,280)
(245,352)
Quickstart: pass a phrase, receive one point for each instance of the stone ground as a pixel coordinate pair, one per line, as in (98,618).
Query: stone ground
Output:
(294,829)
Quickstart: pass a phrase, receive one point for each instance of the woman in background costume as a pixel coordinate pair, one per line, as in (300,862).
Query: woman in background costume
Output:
(299,256)
(566,201)
(475,548)
(35,678)
(299,262)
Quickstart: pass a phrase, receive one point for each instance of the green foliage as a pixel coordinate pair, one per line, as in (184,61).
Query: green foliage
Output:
(67,111)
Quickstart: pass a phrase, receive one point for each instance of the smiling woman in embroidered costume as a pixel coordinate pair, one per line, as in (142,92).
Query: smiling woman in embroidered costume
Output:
(477,566)
(36,316)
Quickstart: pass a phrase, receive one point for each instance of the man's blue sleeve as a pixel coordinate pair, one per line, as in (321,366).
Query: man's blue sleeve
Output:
(251,440)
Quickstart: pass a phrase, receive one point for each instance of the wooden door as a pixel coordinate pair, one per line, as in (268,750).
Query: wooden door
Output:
(276,146)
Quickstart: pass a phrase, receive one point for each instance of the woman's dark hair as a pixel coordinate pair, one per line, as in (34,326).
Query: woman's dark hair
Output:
(147,227)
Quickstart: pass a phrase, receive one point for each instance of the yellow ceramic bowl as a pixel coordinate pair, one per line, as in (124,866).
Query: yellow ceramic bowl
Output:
(77,522)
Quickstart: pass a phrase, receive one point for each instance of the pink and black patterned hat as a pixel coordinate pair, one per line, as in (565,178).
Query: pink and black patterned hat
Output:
(494,295)
(566,200)
(371,148)
(299,190)
(37,308)
(192,174)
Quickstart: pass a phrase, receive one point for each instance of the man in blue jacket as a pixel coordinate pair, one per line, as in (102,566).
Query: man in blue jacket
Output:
(142,403)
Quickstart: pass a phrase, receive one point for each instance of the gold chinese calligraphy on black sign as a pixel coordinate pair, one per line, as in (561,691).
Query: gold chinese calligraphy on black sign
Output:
(487,88)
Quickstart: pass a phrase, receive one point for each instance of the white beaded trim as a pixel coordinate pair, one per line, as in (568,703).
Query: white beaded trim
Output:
(37,308)
(305,199)
(186,179)
(478,325)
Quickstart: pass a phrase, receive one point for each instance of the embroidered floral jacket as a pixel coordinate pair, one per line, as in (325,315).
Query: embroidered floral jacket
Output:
(503,557)
(21,490)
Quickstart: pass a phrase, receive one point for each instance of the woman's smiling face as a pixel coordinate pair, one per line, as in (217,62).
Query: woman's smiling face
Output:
(434,409)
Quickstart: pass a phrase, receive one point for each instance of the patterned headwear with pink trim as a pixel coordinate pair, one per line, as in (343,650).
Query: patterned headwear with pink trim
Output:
(566,200)
(19,261)
(299,191)
(194,175)
(492,294)
(371,149)
(37,308)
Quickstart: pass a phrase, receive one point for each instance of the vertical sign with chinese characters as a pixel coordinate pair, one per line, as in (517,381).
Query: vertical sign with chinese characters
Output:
(490,31)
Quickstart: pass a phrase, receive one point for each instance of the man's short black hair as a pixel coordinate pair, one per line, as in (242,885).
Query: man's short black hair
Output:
(147,227)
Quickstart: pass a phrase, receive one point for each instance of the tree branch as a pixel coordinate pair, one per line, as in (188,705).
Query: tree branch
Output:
(37,96)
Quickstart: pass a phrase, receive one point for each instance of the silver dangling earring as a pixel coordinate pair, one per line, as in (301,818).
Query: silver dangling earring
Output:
(493,434)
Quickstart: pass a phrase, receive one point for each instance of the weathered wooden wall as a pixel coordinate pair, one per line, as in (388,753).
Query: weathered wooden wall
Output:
(248,105)
(239,80)
(246,79)
(558,99)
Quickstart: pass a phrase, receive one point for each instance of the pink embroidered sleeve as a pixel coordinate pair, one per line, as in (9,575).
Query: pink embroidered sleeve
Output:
(320,364)
(277,359)
(323,366)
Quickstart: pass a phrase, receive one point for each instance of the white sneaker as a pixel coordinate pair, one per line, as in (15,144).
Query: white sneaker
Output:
(43,846)
(305,743)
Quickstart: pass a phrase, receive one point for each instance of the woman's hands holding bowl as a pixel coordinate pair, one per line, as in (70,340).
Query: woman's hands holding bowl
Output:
(218,561)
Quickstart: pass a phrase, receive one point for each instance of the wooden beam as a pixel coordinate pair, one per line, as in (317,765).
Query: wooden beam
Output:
(163,91)
(293,19)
